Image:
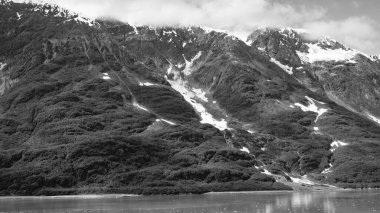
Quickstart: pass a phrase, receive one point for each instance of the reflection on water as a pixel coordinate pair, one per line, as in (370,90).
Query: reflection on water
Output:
(303,201)
(256,202)
(328,206)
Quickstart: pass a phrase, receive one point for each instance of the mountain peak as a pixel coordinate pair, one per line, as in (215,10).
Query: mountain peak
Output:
(142,109)
(297,43)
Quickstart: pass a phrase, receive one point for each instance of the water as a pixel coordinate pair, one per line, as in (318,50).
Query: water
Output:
(256,202)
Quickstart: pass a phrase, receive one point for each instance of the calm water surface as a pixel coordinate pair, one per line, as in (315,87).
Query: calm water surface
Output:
(256,202)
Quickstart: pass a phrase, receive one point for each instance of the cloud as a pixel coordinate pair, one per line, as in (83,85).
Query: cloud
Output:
(358,32)
(238,16)
(221,14)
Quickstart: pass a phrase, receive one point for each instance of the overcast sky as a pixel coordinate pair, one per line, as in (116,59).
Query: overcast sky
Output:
(353,22)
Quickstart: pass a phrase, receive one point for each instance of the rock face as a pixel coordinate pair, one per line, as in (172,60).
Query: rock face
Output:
(102,106)
(327,67)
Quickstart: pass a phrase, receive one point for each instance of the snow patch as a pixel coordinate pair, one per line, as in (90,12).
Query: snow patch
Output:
(189,64)
(316,130)
(179,65)
(166,121)
(18,16)
(85,20)
(2,66)
(200,94)
(248,42)
(250,131)
(317,53)
(373,118)
(302,180)
(147,84)
(312,107)
(327,170)
(286,68)
(245,149)
(267,172)
(336,144)
(208,30)
(170,69)
(191,97)
(106,76)
(135,29)
(135,104)
(262,49)
(170,32)
(194,98)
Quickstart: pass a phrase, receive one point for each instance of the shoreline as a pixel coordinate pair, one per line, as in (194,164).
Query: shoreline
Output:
(293,191)
(110,196)
(79,196)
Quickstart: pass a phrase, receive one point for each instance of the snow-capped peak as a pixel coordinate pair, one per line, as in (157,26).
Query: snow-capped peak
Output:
(292,32)
(210,30)
(308,48)
(234,34)
(317,53)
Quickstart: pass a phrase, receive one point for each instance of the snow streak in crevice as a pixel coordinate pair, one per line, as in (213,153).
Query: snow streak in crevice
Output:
(328,170)
(312,107)
(286,68)
(147,84)
(189,64)
(2,66)
(197,99)
(302,180)
(245,149)
(165,121)
(135,104)
(373,118)
(336,144)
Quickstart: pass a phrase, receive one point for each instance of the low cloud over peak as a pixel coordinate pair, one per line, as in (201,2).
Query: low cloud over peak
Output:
(357,32)
(239,16)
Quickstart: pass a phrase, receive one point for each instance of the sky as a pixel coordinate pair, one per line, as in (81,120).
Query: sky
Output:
(352,22)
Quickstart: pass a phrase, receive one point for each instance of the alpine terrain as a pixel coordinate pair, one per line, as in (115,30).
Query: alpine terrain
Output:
(101,106)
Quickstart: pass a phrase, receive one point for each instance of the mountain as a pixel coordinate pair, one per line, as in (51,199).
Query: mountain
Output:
(101,106)
(327,67)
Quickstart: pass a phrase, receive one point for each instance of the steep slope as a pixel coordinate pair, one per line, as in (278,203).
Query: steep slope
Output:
(344,76)
(76,116)
(327,67)
(103,106)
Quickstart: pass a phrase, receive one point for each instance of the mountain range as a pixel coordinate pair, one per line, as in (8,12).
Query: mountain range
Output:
(102,106)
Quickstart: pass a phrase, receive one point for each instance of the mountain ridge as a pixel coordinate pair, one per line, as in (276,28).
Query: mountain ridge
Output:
(119,108)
